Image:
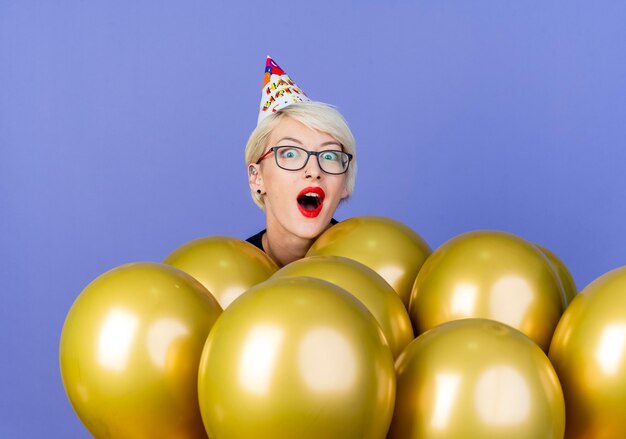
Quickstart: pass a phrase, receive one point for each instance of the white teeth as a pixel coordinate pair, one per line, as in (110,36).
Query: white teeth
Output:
(311,194)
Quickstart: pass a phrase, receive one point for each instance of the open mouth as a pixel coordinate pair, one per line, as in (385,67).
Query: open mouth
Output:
(310,201)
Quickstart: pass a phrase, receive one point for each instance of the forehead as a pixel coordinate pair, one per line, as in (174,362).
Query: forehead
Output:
(290,131)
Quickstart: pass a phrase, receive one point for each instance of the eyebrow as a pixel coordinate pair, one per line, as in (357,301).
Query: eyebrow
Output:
(330,142)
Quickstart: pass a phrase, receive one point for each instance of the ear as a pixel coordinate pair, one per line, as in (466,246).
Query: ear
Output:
(254,178)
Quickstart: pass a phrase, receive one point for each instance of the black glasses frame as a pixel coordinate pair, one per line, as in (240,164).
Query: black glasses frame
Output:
(308,155)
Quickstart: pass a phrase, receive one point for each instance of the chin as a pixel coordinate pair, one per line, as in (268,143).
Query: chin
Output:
(308,229)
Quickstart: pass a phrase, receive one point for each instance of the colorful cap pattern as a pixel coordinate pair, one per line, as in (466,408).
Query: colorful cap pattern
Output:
(279,90)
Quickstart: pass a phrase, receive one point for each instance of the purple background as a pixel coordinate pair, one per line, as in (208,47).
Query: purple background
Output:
(122,127)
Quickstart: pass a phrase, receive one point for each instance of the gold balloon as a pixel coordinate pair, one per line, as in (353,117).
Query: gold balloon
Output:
(225,266)
(476,378)
(364,284)
(130,350)
(388,247)
(588,352)
(569,286)
(296,357)
(489,274)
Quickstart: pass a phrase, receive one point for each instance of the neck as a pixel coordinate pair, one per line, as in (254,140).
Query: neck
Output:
(284,249)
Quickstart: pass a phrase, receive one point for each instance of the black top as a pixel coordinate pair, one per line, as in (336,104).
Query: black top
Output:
(257,240)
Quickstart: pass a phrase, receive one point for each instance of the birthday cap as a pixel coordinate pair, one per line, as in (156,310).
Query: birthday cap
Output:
(279,90)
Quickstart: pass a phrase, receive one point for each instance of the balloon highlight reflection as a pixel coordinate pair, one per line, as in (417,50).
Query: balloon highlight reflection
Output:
(388,247)
(296,357)
(130,348)
(225,266)
(489,274)
(476,378)
(588,351)
(364,284)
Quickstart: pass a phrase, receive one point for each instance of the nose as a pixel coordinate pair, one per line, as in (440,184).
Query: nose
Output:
(312,169)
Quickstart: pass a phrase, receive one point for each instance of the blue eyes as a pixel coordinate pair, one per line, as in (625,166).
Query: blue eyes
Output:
(294,158)
(290,153)
(330,156)
(297,153)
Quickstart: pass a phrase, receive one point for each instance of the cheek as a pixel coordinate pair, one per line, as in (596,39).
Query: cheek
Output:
(280,189)
(341,189)
(344,189)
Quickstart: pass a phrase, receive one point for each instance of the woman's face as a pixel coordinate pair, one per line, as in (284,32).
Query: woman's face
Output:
(299,203)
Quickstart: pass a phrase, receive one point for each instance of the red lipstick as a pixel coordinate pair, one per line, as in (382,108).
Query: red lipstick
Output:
(311,201)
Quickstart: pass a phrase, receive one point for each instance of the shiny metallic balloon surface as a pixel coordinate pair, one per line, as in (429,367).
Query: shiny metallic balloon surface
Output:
(489,274)
(588,352)
(476,378)
(300,358)
(225,266)
(388,247)
(364,284)
(567,280)
(130,349)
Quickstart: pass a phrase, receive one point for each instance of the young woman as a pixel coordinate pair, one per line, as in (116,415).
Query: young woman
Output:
(301,164)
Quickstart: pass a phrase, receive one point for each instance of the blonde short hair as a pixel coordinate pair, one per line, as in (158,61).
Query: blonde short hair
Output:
(314,115)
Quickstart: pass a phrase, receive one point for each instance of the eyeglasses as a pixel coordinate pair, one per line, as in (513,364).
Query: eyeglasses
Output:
(294,158)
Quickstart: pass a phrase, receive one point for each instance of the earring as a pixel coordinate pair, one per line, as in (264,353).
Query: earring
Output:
(258,191)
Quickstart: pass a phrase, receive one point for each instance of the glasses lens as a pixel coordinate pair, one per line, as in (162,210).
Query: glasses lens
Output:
(291,158)
(333,162)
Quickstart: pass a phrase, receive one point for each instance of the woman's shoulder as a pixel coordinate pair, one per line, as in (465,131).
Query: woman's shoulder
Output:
(257,239)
